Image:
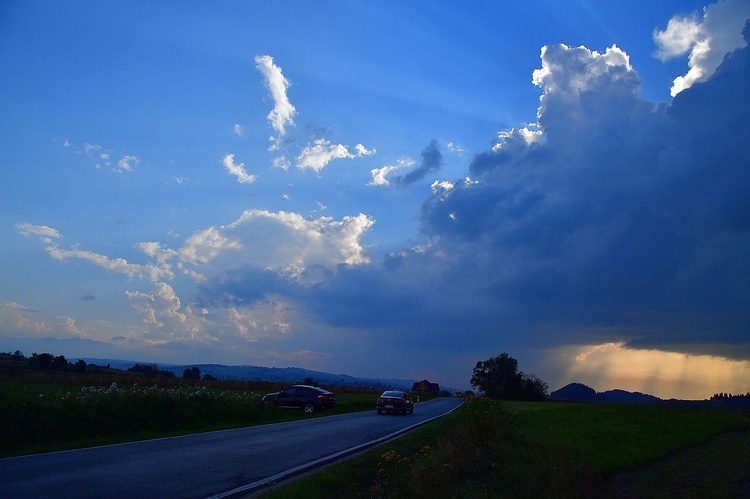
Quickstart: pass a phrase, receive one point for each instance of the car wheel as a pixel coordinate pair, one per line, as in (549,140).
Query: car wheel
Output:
(309,408)
(379,411)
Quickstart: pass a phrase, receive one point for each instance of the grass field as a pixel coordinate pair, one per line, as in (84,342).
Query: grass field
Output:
(51,411)
(517,449)
(485,449)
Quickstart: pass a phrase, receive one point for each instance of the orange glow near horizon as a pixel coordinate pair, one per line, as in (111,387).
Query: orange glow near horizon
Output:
(663,374)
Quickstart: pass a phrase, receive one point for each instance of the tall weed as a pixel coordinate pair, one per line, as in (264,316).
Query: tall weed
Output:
(112,411)
(485,452)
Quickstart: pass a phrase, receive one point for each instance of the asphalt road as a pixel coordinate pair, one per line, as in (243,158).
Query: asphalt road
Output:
(220,463)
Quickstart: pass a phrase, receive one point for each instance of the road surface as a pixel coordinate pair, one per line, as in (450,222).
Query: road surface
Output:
(218,463)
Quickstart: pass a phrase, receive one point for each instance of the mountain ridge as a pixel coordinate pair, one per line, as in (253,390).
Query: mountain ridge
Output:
(578,392)
(249,372)
(100,353)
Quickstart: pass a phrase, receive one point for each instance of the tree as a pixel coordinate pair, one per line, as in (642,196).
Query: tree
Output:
(59,363)
(499,378)
(80,366)
(191,373)
(533,388)
(40,361)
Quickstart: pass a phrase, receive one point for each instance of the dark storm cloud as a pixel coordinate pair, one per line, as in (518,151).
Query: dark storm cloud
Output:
(432,160)
(627,214)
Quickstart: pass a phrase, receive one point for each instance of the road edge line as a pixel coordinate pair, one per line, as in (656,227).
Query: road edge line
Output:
(265,482)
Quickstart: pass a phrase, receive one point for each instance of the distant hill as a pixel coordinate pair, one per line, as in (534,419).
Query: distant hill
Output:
(575,392)
(99,353)
(276,374)
(578,392)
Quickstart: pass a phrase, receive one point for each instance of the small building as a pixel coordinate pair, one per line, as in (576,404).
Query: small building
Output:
(425,386)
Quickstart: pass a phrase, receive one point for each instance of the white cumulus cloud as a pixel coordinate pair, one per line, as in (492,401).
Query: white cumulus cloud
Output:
(707,40)
(127,164)
(315,157)
(282,241)
(165,316)
(282,114)
(238,170)
(380,175)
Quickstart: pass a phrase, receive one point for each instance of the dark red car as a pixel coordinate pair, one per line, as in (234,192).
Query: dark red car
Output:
(307,398)
(395,401)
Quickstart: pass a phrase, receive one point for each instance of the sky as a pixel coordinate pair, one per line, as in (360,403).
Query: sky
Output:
(382,189)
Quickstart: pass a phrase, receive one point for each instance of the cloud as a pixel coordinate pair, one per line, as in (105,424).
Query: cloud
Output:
(238,130)
(616,219)
(612,230)
(611,220)
(46,234)
(432,160)
(96,152)
(379,175)
(102,157)
(283,242)
(166,318)
(282,114)
(282,162)
(316,157)
(19,319)
(127,164)
(118,265)
(262,319)
(238,170)
(707,40)
(664,374)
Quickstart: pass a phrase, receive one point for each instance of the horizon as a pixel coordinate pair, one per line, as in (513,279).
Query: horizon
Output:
(353,376)
(565,183)
(350,375)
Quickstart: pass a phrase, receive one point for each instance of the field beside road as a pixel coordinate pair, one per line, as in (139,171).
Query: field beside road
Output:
(485,449)
(44,412)
(551,449)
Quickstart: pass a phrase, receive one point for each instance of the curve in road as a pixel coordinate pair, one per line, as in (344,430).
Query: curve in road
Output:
(214,464)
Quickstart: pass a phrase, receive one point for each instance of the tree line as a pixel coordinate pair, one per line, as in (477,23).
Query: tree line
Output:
(50,362)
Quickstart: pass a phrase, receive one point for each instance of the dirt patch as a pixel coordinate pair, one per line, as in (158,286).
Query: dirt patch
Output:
(720,467)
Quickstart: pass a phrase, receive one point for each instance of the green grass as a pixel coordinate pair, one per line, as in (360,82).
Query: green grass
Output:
(520,449)
(485,449)
(613,437)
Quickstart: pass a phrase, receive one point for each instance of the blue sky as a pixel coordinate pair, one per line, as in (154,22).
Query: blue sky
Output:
(389,189)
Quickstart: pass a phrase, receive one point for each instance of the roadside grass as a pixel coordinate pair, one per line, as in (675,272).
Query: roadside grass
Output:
(49,414)
(477,451)
(520,449)
(612,437)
